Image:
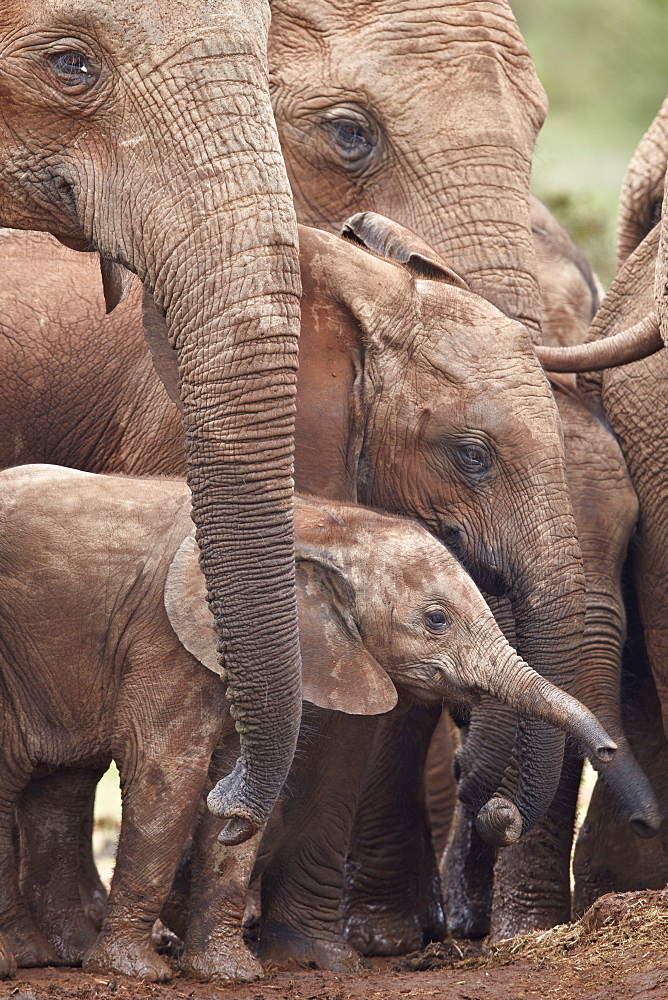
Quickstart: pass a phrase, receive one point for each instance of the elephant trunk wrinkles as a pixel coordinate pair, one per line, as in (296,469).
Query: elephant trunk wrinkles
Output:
(213,236)
(549,618)
(507,677)
(599,689)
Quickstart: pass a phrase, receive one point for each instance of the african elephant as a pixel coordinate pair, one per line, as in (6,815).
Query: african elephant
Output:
(366,126)
(93,601)
(632,321)
(144,131)
(642,190)
(368,405)
(424,113)
(452,488)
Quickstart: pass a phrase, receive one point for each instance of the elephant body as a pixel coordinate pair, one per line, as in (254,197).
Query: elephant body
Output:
(608,855)
(92,602)
(119,133)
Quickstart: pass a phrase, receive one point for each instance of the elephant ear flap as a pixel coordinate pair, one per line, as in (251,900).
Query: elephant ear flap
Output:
(164,357)
(389,239)
(116,282)
(338,672)
(187,606)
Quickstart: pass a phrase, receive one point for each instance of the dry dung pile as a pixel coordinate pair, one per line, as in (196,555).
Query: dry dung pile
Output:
(617,926)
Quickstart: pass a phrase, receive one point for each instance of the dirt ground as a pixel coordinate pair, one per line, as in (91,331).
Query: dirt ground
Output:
(619,951)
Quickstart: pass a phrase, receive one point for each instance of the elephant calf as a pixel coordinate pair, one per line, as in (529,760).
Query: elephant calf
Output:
(105,630)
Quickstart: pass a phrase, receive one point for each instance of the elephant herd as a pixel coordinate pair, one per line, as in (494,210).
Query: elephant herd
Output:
(253,248)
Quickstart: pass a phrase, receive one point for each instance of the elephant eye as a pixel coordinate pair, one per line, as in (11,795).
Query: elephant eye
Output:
(352,135)
(473,459)
(74,71)
(436,621)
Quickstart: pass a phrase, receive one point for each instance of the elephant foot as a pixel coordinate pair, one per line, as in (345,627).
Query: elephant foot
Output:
(112,953)
(7,961)
(373,933)
(527,915)
(29,946)
(94,902)
(71,933)
(285,947)
(225,960)
(166,942)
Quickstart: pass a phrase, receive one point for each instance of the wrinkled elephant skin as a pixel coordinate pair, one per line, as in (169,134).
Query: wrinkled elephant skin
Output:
(120,574)
(119,132)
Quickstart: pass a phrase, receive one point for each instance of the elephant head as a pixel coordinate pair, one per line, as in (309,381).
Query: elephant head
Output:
(425,113)
(425,400)
(382,601)
(144,131)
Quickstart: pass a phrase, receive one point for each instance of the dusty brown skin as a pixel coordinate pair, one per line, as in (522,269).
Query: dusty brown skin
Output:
(424,112)
(634,398)
(429,117)
(118,136)
(373,590)
(102,433)
(642,191)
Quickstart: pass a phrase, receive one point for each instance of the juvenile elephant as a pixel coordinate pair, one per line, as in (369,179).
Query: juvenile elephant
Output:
(372,414)
(92,602)
(120,133)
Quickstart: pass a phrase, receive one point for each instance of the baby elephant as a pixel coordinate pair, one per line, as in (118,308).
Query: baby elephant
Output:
(105,634)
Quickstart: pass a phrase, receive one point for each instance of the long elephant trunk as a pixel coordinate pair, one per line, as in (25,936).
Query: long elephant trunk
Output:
(501,673)
(548,613)
(210,229)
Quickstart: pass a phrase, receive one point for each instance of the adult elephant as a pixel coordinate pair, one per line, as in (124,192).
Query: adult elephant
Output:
(430,118)
(144,131)
(426,113)
(630,324)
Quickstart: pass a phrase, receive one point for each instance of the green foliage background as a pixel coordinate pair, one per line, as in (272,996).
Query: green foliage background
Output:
(604,66)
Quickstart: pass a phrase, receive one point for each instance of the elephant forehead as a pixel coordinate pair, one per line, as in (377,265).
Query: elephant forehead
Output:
(413,24)
(158,21)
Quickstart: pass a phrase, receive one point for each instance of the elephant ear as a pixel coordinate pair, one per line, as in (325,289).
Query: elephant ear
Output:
(187,607)
(337,671)
(164,356)
(389,239)
(116,282)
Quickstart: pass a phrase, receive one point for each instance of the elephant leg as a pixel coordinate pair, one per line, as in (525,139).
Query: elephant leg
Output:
(302,880)
(440,782)
(55,816)
(393,894)
(467,873)
(163,770)
(214,945)
(609,856)
(24,942)
(7,961)
(532,877)
(208,895)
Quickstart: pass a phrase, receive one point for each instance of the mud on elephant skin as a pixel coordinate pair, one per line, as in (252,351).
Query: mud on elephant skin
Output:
(361,430)
(117,137)
(442,639)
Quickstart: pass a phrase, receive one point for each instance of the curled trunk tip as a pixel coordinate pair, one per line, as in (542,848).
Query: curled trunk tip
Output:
(499,822)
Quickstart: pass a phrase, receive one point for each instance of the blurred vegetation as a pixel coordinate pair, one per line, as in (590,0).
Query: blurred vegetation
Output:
(604,66)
